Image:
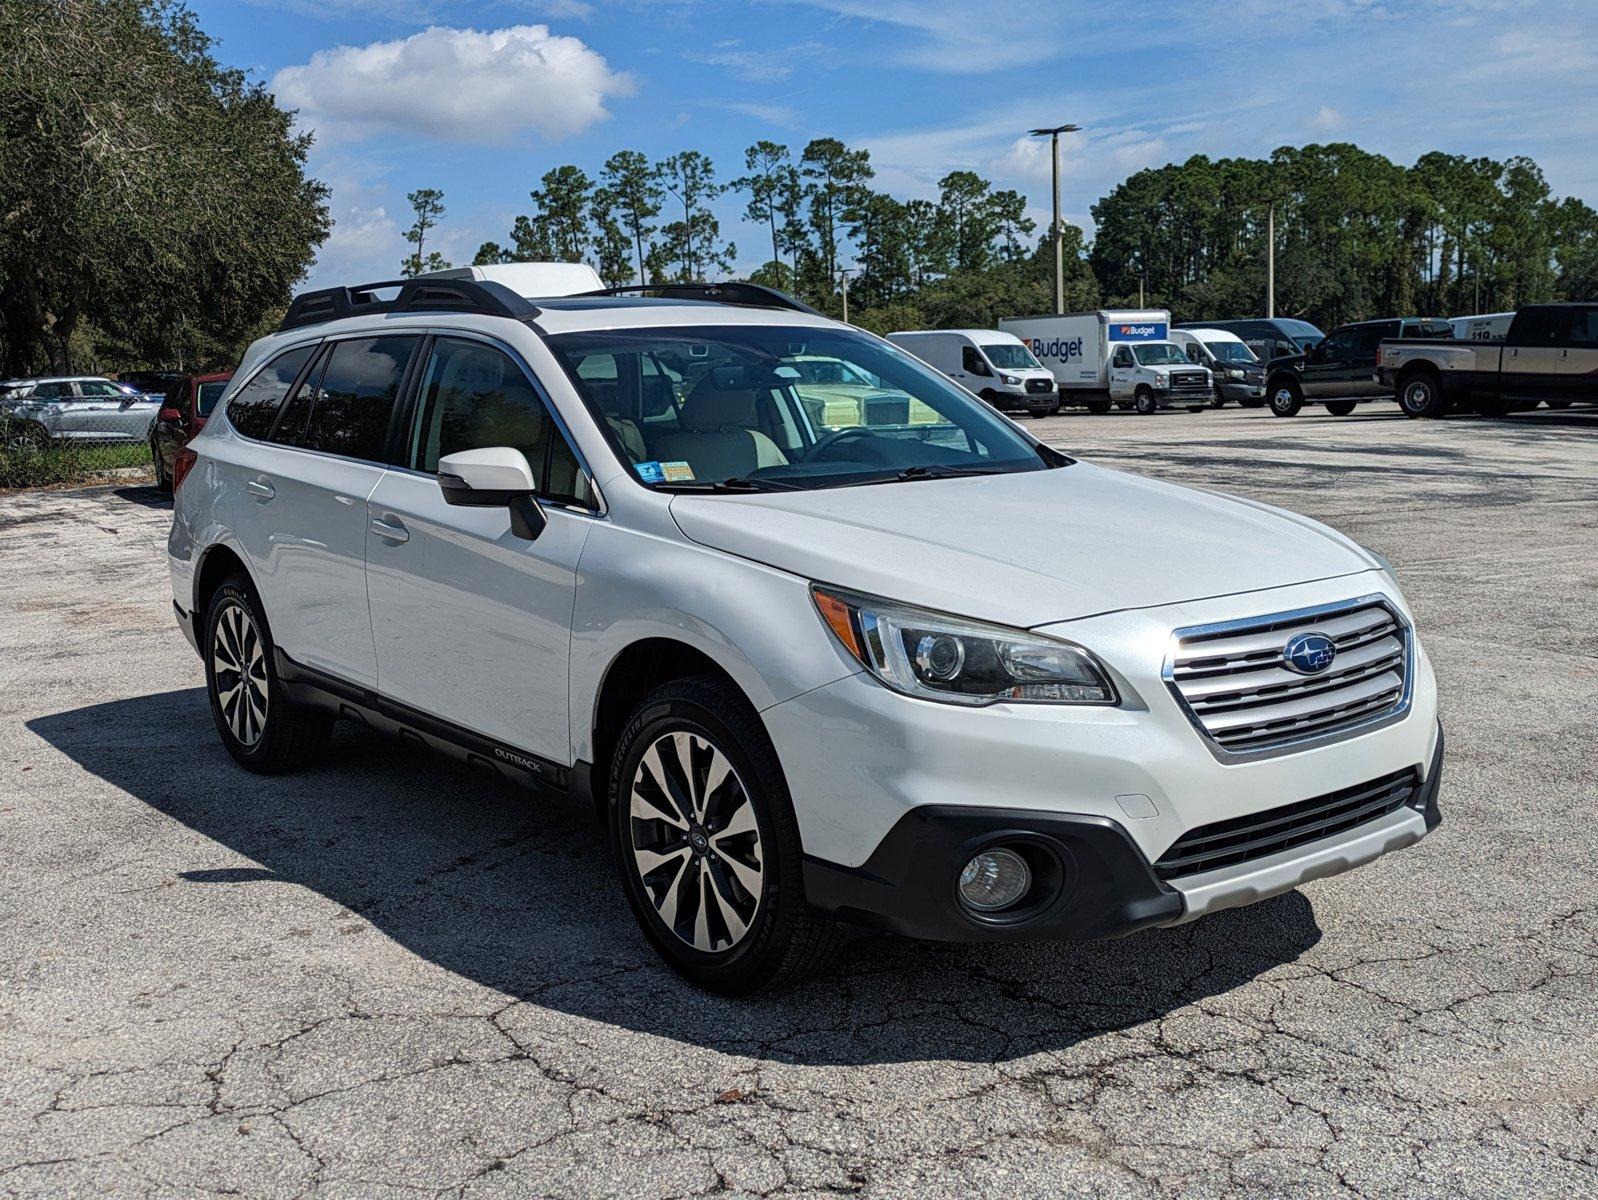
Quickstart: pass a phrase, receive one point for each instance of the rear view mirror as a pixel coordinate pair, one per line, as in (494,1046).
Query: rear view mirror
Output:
(494,477)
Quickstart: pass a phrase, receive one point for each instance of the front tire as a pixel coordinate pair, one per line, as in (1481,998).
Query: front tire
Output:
(707,844)
(260,726)
(1143,400)
(1286,399)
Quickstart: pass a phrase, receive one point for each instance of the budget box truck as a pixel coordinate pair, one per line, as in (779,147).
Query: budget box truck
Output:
(1111,355)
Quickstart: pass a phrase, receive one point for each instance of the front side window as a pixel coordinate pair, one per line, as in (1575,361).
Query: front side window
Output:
(746,409)
(1122,357)
(353,401)
(102,390)
(254,406)
(1584,327)
(970,360)
(473,396)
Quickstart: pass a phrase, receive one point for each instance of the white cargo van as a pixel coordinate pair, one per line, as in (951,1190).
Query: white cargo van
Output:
(995,366)
(1237,371)
(1123,355)
(1487,327)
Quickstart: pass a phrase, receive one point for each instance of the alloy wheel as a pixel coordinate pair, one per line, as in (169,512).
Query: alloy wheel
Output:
(238,661)
(695,841)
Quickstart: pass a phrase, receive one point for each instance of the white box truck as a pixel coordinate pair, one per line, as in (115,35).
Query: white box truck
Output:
(1486,327)
(1112,355)
(995,366)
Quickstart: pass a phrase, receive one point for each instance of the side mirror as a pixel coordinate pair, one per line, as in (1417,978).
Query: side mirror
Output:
(494,477)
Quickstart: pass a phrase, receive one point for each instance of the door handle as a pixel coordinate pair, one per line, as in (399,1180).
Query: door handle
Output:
(262,488)
(393,531)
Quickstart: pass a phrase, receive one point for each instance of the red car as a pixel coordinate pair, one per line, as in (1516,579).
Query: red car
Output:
(182,416)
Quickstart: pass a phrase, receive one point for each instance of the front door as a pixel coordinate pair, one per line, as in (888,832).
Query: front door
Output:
(1328,366)
(1578,366)
(1123,372)
(473,624)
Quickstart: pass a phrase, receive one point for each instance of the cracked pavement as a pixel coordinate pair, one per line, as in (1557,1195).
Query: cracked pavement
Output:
(388,976)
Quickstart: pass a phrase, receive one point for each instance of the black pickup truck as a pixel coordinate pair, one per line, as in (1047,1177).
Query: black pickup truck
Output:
(1340,369)
(1550,354)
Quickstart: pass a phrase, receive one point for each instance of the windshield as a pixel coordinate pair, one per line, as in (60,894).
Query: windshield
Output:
(1011,357)
(691,408)
(210,393)
(1231,352)
(1160,354)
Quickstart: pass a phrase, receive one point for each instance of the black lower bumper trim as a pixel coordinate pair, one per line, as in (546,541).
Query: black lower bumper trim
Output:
(1096,883)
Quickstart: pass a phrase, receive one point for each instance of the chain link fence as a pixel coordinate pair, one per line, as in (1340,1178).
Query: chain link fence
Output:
(41,445)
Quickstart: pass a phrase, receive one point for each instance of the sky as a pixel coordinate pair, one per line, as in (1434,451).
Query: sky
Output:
(480,99)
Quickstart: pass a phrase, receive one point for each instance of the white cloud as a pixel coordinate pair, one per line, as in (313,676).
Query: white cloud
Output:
(755,66)
(1327,120)
(454,84)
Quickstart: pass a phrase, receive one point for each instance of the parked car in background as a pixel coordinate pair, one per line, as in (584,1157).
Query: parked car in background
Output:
(155,384)
(1237,372)
(838,394)
(996,366)
(1485,327)
(1549,354)
(1094,359)
(1268,337)
(945,681)
(86,408)
(1340,370)
(182,415)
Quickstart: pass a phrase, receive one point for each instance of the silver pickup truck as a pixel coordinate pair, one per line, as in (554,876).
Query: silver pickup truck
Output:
(1550,354)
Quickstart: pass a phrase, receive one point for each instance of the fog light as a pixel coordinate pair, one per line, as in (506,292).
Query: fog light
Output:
(994,879)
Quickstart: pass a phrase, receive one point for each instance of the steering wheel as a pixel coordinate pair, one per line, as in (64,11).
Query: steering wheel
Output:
(833,438)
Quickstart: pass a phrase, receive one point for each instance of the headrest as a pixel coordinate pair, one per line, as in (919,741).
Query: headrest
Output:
(721,398)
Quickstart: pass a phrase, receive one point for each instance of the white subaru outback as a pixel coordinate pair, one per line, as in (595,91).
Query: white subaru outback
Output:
(818,660)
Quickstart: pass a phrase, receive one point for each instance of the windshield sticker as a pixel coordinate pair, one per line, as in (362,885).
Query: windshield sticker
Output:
(650,472)
(677,472)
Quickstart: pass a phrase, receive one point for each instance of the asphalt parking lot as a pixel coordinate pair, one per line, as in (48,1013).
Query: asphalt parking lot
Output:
(385,977)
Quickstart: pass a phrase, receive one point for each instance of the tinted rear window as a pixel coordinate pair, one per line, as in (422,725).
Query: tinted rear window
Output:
(254,406)
(354,400)
(210,393)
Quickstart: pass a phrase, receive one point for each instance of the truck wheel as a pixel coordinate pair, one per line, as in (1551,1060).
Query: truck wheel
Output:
(706,842)
(1143,400)
(1340,408)
(1421,395)
(1124,405)
(1218,402)
(989,398)
(1286,398)
(1098,407)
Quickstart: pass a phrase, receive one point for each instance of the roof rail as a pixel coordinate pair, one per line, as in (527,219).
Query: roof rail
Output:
(415,295)
(752,295)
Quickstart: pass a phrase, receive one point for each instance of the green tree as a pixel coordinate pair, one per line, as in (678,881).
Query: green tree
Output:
(633,196)
(613,246)
(693,242)
(137,177)
(768,184)
(427,208)
(835,178)
(563,201)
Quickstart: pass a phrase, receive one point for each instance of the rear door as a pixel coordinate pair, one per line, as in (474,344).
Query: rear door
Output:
(473,624)
(1532,354)
(1368,340)
(1578,368)
(52,404)
(304,512)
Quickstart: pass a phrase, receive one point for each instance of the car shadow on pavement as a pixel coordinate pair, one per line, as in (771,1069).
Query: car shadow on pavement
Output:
(146,494)
(518,893)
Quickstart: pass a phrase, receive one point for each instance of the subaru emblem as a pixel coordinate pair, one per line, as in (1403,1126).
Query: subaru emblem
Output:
(1309,653)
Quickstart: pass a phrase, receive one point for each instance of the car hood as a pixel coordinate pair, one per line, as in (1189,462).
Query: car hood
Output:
(1025,549)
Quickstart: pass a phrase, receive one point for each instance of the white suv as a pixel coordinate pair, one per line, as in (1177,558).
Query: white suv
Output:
(917,671)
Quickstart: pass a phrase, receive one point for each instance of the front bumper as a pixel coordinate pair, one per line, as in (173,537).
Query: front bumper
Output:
(1241,390)
(1180,397)
(1098,883)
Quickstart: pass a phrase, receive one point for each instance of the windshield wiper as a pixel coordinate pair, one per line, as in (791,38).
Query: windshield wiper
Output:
(938,471)
(737,484)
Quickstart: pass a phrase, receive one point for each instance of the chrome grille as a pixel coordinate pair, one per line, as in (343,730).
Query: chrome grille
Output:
(1233,680)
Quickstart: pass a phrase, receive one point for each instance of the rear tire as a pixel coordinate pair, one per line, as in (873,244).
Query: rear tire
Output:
(1286,399)
(1421,395)
(1195,408)
(1098,407)
(707,844)
(260,726)
(163,479)
(1341,408)
(1143,400)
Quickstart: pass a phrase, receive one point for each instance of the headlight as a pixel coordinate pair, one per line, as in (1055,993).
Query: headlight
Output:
(1234,373)
(1160,380)
(938,657)
(1009,379)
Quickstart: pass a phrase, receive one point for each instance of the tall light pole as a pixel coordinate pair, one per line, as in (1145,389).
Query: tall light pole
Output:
(843,276)
(1270,261)
(1058,227)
